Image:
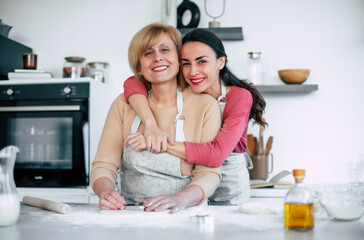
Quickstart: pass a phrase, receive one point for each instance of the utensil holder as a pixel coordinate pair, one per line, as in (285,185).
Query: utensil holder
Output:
(262,166)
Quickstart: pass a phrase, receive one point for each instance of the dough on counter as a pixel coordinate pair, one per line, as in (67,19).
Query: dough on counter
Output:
(262,208)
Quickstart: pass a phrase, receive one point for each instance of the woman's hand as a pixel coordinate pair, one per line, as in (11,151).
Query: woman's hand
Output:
(111,200)
(157,139)
(161,203)
(136,141)
(188,197)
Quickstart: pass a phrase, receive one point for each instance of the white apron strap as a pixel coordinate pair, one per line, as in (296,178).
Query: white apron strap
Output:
(222,98)
(179,119)
(136,123)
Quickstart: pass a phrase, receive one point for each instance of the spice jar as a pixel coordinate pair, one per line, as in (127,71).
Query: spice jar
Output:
(74,67)
(98,70)
(255,68)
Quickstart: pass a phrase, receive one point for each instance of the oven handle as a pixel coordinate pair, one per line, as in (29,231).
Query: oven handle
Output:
(40,108)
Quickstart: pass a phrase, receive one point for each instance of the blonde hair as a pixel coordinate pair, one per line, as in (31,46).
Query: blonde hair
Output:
(145,39)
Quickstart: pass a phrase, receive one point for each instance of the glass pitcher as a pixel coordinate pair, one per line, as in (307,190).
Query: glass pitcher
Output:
(9,200)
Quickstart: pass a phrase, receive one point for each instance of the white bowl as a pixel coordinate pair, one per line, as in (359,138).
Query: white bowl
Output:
(343,205)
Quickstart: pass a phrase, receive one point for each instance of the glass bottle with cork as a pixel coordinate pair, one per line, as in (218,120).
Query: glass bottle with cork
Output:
(298,205)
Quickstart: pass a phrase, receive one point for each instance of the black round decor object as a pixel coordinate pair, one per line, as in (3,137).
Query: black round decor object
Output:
(195,14)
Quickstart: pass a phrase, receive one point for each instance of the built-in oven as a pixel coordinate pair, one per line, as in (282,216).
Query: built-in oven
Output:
(49,123)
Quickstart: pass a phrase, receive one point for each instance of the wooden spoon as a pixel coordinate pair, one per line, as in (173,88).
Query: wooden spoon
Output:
(269,145)
(250,144)
(261,141)
(256,146)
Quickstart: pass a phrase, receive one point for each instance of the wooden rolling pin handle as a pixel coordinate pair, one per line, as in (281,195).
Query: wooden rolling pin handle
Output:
(47,204)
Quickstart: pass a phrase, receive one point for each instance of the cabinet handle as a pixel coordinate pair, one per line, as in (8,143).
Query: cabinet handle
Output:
(40,108)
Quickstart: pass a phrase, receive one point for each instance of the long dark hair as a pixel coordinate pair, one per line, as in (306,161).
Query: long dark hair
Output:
(229,79)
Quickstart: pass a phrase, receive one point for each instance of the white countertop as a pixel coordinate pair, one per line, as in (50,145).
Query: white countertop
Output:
(85,221)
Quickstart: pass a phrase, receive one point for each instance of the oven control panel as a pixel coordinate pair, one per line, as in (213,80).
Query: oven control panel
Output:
(10,92)
(45,91)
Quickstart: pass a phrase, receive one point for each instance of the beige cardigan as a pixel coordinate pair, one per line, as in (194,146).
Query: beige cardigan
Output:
(202,123)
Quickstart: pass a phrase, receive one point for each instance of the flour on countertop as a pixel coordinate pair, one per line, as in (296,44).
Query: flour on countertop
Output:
(82,215)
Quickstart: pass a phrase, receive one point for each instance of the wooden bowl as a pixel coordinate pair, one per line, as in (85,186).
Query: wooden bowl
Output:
(294,76)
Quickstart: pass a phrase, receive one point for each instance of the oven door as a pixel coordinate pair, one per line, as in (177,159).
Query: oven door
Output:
(51,143)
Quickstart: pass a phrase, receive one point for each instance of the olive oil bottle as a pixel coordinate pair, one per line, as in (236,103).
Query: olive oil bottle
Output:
(298,205)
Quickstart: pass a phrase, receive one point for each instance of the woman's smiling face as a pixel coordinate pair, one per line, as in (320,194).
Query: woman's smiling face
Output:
(200,67)
(160,62)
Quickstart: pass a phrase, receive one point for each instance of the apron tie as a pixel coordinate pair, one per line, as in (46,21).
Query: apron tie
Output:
(179,119)
(222,97)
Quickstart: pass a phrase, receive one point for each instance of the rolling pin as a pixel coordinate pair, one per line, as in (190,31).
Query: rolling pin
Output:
(47,204)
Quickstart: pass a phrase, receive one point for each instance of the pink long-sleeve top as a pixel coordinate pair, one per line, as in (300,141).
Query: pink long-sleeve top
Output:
(232,136)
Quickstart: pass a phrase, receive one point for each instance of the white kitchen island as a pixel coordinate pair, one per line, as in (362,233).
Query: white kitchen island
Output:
(85,221)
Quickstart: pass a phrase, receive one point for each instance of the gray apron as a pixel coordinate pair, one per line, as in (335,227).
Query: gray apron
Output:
(234,187)
(147,174)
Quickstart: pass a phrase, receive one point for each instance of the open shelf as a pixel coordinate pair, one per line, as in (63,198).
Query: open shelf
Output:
(228,34)
(293,88)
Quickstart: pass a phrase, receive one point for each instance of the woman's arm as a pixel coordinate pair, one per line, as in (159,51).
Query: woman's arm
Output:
(133,86)
(178,149)
(108,159)
(188,197)
(109,197)
(136,95)
(236,120)
(214,153)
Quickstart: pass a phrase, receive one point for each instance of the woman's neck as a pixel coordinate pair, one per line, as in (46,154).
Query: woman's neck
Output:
(215,89)
(164,94)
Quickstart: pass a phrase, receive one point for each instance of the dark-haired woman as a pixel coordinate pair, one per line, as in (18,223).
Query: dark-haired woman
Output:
(203,61)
